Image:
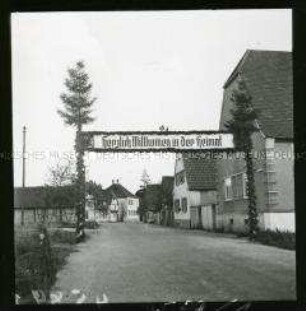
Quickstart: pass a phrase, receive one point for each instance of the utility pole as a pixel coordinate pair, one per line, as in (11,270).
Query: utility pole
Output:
(23,156)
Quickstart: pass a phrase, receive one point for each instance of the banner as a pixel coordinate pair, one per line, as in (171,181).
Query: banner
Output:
(157,141)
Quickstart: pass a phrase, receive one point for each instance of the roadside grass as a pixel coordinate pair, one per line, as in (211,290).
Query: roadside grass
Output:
(37,263)
(280,239)
(277,238)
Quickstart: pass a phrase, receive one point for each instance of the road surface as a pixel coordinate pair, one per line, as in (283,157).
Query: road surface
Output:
(136,262)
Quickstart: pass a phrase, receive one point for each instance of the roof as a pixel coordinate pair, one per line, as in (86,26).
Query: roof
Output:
(118,191)
(269,78)
(201,172)
(43,196)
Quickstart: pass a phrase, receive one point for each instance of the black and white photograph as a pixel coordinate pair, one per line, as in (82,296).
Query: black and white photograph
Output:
(153,156)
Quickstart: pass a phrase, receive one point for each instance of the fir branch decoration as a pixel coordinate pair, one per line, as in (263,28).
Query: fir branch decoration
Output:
(243,125)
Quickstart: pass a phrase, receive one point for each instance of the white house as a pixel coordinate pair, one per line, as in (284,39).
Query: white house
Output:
(126,203)
(194,192)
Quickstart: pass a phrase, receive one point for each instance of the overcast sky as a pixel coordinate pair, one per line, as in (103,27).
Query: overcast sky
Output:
(147,69)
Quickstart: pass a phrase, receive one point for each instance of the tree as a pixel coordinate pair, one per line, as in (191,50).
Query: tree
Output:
(61,174)
(145,178)
(243,125)
(77,112)
(98,193)
(61,187)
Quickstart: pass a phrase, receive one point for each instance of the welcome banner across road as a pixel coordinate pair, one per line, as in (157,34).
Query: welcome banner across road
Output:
(157,141)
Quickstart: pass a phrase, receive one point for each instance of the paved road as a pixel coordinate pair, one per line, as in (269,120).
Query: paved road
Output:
(137,262)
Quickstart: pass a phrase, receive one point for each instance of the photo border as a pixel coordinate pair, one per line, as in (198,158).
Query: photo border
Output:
(6,176)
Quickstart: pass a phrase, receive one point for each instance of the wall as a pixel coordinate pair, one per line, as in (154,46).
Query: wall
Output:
(283,221)
(132,209)
(195,199)
(180,192)
(284,168)
(232,214)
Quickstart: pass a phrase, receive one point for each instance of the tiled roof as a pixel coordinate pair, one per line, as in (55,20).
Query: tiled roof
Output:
(201,173)
(43,196)
(269,78)
(118,191)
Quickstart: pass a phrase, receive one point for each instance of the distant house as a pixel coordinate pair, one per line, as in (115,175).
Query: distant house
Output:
(268,76)
(44,203)
(153,202)
(126,202)
(167,216)
(142,209)
(194,192)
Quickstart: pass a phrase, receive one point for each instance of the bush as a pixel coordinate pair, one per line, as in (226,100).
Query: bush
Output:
(34,263)
(61,236)
(91,224)
(282,239)
(67,225)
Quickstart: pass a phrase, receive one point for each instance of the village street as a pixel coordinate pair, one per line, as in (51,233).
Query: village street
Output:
(136,262)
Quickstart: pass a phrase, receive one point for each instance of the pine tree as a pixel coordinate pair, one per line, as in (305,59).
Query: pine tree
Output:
(77,112)
(145,179)
(242,125)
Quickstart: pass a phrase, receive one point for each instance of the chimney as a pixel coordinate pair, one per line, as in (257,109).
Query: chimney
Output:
(117,181)
(113,181)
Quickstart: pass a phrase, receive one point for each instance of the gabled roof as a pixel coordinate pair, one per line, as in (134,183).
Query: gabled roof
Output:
(43,196)
(118,191)
(201,172)
(269,78)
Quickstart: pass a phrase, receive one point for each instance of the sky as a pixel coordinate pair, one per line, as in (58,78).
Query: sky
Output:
(147,69)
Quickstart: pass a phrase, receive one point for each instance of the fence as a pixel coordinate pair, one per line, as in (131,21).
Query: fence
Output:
(50,216)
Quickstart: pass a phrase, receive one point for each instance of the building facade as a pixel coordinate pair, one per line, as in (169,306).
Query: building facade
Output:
(268,77)
(194,192)
(126,203)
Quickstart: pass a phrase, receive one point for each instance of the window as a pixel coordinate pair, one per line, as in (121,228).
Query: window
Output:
(184,205)
(228,189)
(235,187)
(177,205)
(131,202)
(244,186)
(180,178)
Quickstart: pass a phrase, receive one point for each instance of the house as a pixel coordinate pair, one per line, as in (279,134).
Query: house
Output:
(155,202)
(152,200)
(194,191)
(123,202)
(167,216)
(97,207)
(44,204)
(268,77)
(142,209)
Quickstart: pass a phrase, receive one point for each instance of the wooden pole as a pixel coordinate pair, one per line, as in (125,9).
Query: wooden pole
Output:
(23,157)
(23,169)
